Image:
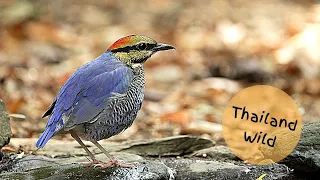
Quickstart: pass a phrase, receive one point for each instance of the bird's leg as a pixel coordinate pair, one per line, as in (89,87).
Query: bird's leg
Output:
(113,161)
(94,160)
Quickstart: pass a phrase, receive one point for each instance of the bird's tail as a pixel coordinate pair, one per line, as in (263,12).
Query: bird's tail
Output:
(53,127)
(49,132)
(44,138)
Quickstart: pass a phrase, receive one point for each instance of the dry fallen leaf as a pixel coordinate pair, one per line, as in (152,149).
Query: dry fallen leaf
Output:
(180,117)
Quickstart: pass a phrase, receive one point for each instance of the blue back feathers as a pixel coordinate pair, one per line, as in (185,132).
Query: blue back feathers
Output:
(85,94)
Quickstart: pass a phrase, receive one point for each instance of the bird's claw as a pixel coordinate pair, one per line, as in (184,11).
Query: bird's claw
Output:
(92,163)
(96,163)
(102,165)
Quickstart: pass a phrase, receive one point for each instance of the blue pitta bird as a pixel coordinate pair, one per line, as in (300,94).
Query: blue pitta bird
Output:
(102,98)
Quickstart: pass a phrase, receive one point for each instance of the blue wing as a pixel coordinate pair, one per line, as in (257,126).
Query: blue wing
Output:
(85,94)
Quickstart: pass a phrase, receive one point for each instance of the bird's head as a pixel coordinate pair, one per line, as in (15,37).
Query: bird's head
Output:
(136,49)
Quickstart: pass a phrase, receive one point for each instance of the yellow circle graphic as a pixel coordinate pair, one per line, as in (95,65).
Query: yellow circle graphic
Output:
(261,124)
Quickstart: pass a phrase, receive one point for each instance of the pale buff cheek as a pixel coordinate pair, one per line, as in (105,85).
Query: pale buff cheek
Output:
(123,56)
(135,54)
(128,57)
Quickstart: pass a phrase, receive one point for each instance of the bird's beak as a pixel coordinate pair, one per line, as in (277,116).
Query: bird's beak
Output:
(163,47)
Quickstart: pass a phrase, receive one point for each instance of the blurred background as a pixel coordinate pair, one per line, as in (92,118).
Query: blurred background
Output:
(222,46)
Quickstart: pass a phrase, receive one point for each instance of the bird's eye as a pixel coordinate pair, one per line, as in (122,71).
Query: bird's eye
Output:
(142,46)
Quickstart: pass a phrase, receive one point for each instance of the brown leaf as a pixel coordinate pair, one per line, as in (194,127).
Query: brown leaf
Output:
(180,117)
(49,32)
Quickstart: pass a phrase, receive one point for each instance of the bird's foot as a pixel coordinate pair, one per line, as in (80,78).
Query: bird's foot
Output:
(92,163)
(114,162)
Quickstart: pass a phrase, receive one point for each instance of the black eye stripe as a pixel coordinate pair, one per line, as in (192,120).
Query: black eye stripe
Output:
(150,46)
(133,47)
(141,46)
